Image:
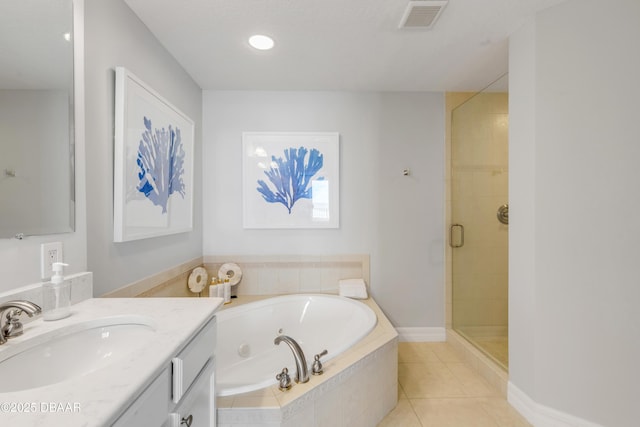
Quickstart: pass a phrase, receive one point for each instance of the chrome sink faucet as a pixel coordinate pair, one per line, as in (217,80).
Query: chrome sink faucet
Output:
(13,326)
(302,371)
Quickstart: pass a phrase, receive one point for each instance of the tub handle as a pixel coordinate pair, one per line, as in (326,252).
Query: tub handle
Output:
(316,369)
(284,380)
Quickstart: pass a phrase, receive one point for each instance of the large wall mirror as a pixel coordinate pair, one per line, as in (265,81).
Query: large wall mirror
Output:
(36,118)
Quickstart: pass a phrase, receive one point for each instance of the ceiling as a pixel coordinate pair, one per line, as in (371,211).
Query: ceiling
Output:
(350,45)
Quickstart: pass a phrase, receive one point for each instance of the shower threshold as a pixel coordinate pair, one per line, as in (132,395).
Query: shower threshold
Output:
(493,342)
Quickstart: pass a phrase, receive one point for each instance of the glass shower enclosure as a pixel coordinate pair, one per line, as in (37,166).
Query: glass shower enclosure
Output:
(479,227)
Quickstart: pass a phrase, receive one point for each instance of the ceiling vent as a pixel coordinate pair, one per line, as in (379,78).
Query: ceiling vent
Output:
(422,14)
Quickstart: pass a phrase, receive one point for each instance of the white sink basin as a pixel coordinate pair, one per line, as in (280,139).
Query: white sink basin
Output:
(72,351)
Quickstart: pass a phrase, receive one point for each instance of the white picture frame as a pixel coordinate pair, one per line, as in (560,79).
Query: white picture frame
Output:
(153,163)
(306,195)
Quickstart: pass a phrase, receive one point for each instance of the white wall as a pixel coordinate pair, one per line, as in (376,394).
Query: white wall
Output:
(574,252)
(115,36)
(398,220)
(20,259)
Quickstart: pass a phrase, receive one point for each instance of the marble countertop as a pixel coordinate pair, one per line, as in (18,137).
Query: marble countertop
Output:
(99,397)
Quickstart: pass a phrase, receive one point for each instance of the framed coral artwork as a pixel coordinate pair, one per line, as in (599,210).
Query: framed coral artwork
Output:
(153,163)
(291,179)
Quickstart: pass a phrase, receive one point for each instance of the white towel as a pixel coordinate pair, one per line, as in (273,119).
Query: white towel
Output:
(353,288)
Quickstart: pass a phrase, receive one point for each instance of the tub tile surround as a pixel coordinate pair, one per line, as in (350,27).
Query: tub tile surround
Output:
(358,388)
(261,275)
(291,274)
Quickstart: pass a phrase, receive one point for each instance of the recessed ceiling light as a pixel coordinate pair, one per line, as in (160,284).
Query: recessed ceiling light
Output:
(67,36)
(261,42)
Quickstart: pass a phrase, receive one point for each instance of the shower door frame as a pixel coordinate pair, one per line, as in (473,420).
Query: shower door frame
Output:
(455,233)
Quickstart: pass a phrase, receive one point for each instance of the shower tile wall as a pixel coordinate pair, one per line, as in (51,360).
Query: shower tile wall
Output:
(479,176)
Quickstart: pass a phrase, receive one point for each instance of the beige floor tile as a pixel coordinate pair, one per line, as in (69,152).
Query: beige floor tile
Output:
(445,352)
(402,415)
(433,389)
(466,412)
(462,371)
(473,383)
(408,352)
(421,380)
(424,368)
(437,370)
(413,352)
(504,414)
(436,388)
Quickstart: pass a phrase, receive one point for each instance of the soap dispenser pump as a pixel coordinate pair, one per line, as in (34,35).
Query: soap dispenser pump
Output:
(56,295)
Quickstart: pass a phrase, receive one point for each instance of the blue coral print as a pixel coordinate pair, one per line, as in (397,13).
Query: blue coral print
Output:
(291,177)
(161,164)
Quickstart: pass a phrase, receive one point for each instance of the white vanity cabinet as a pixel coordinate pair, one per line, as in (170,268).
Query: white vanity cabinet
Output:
(183,393)
(197,408)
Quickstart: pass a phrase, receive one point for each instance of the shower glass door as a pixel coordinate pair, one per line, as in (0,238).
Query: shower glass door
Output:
(479,213)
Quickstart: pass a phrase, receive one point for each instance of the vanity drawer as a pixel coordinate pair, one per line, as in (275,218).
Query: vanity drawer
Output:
(151,408)
(189,362)
(197,408)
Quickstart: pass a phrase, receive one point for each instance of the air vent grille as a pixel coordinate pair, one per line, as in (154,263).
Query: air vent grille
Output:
(422,14)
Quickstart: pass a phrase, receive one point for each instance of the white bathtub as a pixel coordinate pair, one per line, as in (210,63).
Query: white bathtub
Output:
(246,357)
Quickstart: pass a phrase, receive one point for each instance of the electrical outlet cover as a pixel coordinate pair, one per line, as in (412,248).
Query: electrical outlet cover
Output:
(49,253)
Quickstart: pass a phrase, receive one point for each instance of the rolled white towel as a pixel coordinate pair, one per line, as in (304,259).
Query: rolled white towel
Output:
(353,288)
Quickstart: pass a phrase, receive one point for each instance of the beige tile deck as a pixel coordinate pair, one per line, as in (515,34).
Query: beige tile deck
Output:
(438,389)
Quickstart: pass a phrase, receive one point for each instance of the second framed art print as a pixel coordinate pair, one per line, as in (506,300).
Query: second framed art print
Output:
(291,179)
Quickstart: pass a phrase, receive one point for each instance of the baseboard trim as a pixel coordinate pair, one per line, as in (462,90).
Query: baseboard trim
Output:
(422,334)
(541,415)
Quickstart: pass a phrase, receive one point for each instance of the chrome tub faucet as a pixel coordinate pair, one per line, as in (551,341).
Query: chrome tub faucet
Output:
(13,326)
(302,371)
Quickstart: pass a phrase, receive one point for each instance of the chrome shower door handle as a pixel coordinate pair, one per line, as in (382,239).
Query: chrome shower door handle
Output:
(460,242)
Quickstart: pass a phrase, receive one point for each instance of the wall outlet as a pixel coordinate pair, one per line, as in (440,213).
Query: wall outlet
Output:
(50,253)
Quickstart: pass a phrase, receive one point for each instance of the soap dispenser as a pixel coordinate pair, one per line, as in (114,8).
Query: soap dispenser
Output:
(56,295)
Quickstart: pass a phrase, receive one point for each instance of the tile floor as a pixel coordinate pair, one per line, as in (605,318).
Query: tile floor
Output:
(437,389)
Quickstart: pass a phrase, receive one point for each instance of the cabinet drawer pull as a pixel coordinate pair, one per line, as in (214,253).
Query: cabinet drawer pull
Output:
(187,420)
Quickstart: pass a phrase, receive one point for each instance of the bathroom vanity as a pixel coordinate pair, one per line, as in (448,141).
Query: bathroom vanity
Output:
(119,362)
